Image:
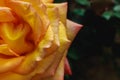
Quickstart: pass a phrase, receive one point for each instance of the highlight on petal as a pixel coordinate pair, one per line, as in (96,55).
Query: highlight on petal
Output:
(5,50)
(9,64)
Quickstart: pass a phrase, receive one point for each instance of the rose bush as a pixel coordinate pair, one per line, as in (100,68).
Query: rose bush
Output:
(34,39)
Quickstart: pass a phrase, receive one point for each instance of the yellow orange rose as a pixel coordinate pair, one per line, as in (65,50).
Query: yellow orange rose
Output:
(34,39)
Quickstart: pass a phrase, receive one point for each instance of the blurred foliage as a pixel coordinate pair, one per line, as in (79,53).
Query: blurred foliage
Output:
(78,7)
(83,2)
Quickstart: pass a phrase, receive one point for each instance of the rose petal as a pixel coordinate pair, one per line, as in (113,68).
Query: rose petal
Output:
(62,8)
(9,64)
(40,9)
(14,36)
(28,64)
(61,52)
(14,76)
(47,67)
(46,42)
(54,23)
(6,14)
(72,29)
(33,2)
(67,67)
(44,64)
(2,3)
(57,75)
(7,51)
(47,1)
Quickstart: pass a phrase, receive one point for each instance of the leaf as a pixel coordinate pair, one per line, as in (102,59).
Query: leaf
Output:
(117,8)
(79,12)
(117,14)
(107,14)
(83,2)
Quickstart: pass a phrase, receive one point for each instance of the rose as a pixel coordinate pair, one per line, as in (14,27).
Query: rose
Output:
(34,39)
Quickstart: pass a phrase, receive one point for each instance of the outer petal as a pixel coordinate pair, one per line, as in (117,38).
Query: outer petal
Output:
(59,74)
(67,67)
(72,29)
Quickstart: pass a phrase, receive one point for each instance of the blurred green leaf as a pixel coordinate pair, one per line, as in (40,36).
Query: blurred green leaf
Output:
(117,8)
(79,12)
(107,14)
(117,14)
(83,2)
(114,12)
